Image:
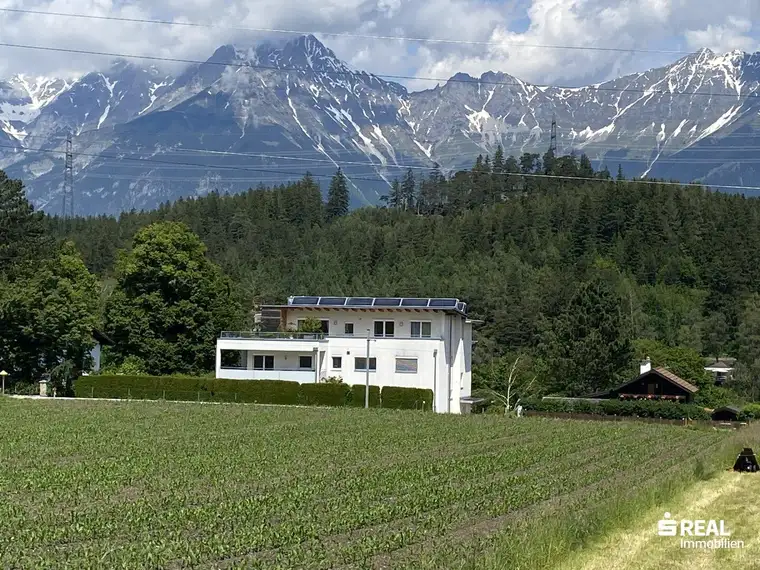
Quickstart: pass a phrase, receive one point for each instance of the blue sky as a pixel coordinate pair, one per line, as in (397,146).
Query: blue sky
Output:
(509,31)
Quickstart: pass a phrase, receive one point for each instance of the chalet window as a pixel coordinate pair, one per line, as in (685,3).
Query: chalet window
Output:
(263,362)
(384,328)
(406,365)
(421,329)
(337,363)
(305,362)
(348,329)
(360,364)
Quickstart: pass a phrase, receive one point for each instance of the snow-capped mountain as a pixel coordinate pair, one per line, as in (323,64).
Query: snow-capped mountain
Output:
(271,113)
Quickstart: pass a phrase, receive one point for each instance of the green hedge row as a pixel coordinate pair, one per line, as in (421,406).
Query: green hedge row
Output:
(250,391)
(642,409)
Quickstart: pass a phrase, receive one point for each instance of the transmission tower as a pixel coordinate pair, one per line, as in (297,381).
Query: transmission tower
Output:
(68,180)
(553,139)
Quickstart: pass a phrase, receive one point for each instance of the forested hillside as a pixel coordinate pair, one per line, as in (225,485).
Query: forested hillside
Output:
(537,258)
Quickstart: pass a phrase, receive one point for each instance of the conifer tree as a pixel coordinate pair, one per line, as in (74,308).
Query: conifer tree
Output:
(337,197)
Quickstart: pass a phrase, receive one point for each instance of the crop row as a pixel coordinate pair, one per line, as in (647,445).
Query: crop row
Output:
(153,485)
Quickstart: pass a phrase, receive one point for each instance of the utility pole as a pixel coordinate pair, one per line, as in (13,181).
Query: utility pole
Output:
(366,389)
(553,139)
(68,179)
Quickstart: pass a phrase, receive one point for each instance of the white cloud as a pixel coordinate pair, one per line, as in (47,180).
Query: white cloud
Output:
(515,26)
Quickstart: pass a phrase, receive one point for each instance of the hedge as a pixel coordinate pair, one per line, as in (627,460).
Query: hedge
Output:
(357,396)
(250,391)
(407,398)
(325,394)
(643,408)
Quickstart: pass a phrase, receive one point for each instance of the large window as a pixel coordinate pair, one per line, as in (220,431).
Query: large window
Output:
(384,328)
(306,362)
(421,329)
(406,365)
(360,364)
(263,362)
(337,362)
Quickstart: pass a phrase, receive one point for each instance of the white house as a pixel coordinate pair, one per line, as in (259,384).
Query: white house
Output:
(409,342)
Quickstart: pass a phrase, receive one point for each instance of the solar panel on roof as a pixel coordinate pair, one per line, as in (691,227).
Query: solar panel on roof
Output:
(359,301)
(443,303)
(387,302)
(332,301)
(305,300)
(462,307)
(414,302)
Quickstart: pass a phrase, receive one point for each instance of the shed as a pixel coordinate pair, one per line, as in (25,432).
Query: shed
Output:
(726,414)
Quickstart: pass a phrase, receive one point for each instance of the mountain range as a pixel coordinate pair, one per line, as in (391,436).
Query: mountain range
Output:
(269,113)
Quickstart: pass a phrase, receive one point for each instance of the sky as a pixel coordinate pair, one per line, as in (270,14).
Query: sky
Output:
(511,36)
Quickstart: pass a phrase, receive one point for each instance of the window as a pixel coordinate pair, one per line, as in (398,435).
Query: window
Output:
(305,362)
(360,363)
(384,328)
(348,329)
(262,362)
(421,329)
(406,365)
(337,362)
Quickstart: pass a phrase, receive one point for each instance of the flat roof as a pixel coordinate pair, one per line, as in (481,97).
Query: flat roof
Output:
(450,305)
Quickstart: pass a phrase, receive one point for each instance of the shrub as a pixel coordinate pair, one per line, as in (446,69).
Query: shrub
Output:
(641,408)
(406,398)
(750,412)
(357,396)
(325,394)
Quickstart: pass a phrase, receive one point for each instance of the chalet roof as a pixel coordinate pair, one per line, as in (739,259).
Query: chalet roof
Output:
(688,386)
(733,409)
(101,337)
(720,364)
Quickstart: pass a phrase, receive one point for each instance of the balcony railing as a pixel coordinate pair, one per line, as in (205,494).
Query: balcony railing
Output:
(245,335)
(272,335)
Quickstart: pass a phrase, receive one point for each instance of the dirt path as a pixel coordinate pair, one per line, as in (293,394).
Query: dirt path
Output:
(731,497)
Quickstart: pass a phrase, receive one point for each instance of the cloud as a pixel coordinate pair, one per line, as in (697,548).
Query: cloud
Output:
(515,31)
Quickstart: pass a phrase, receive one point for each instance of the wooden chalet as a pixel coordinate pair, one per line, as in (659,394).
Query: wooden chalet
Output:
(726,414)
(652,384)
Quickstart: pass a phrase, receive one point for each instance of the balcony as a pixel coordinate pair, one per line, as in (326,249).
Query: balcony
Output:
(254,335)
(302,376)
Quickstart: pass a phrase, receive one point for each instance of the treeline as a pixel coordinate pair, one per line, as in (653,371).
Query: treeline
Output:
(537,246)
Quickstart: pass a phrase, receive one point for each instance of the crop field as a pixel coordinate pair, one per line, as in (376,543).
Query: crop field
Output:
(170,485)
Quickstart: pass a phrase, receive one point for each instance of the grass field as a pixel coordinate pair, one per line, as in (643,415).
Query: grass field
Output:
(154,484)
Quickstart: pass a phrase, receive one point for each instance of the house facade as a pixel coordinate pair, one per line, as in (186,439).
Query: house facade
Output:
(403,342)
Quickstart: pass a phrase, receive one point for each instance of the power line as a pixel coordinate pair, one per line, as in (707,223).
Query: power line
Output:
(342,34)
(283,69)
(274,171)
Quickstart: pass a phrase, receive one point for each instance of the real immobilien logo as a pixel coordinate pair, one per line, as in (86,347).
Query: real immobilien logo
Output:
(698,528)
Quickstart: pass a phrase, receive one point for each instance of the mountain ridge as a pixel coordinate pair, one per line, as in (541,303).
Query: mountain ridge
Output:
(268,113)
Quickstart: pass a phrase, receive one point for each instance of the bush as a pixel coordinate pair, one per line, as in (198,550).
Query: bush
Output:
(641,408)
(406,398)
(325,394)
(357,396)
(187,388)
(750,412)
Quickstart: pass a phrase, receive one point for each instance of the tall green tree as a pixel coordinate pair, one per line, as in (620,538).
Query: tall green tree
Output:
(170,303)
(337,197)
(22,232)
(587,348)
(48,316)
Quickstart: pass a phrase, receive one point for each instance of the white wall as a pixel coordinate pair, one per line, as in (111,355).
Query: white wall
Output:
(363,320)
